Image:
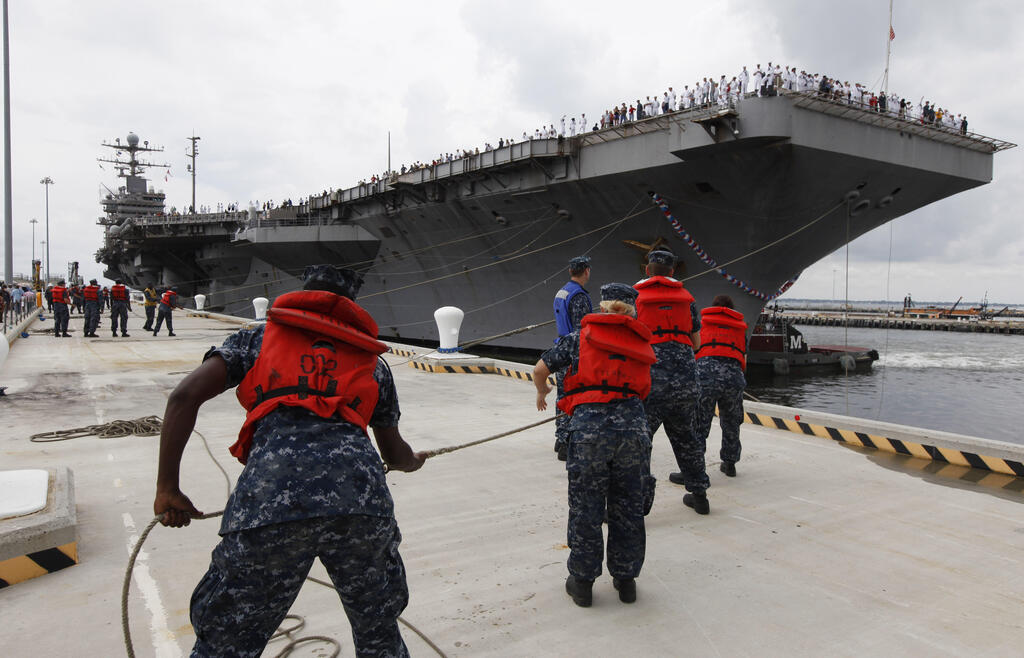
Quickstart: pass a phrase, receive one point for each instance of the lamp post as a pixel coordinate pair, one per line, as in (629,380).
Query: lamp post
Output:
(33,222)
(47,182)
(42,244)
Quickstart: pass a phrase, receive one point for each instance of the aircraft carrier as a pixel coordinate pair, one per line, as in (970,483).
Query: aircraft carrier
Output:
(747,196)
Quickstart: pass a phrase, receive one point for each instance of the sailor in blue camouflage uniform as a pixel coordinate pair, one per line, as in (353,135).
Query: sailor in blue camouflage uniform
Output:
(674,386)
(572,302)
(608,446)
(312,487)
(721,361)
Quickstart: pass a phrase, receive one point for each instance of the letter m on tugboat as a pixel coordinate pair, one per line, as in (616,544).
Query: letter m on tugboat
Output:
(777,347)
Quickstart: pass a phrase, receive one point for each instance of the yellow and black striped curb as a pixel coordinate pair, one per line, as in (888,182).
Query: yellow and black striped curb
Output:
(886,444)
(400,352)
(473,370)
(37,564)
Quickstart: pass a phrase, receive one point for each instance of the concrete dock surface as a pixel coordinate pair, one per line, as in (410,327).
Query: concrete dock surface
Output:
(815,548)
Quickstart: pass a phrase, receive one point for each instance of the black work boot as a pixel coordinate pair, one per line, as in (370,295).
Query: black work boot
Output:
(729,468)
(627,589)
(698,501)
(676,478)
(581,591)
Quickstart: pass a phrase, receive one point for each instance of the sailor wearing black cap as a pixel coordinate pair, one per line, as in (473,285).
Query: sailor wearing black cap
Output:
(572,302)
(670,312)
(313,486)
(607,366)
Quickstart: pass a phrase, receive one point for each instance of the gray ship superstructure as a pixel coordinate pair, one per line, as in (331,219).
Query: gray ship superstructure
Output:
(747,197)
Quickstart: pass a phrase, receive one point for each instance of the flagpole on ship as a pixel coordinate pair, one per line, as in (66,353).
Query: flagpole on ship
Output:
(888,50)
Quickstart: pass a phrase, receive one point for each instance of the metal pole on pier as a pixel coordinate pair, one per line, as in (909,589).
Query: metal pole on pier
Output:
(8,217)
(192,168)
(47,182)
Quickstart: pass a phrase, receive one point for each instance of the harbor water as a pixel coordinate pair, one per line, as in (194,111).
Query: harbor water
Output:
(955,382)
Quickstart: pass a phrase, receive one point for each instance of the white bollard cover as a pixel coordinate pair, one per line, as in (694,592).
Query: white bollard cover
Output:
(200,302)
(449,321)
(260,305)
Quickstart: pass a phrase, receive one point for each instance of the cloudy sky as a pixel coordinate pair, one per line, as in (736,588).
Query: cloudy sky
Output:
(292,98)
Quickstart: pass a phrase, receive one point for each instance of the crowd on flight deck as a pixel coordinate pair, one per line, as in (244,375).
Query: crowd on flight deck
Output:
(90,300)
(722,92)
(313,384)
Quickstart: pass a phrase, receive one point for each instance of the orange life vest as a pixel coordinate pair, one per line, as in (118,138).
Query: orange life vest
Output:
(119,293)
(319,352)
(723,333)
(664,306)
(168,298)
(92,293)
(614,364)
(60,295)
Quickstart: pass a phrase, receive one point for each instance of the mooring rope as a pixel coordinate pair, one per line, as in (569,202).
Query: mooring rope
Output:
(146,426)
(444,451)
(294,642)
(474,343)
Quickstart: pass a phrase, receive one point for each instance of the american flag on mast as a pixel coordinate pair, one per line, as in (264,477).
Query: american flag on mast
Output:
(892,34)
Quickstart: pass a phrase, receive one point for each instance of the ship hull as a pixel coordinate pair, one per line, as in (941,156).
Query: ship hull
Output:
(759,193)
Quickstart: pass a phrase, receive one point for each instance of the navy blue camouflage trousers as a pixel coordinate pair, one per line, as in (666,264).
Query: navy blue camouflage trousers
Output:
(607,471)
(255,575)
(679,418)
(722,383)
(561,422)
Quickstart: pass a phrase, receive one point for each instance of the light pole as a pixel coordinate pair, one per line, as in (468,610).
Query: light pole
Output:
(47,182)
(8,221)
(42,243)
(33,222)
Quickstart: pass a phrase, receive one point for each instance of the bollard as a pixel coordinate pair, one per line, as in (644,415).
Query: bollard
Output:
(260,305)
(449,321)
(200,302)
(4,349)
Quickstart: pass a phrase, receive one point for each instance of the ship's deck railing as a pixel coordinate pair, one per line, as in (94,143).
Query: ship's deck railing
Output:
(864,113)
(239,217)
(522,151)
(555,147)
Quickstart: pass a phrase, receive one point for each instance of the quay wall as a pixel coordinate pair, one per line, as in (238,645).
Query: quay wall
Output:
(984,326)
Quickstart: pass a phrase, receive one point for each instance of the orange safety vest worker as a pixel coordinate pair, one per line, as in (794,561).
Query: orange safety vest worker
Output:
(723,333)
(91,293)
(319,352)
(60,295)
(119,292)
(664,306)
(169,298)
(614,363)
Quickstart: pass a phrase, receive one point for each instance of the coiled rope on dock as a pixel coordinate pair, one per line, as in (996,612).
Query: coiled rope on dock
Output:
(283,632)
(145,426)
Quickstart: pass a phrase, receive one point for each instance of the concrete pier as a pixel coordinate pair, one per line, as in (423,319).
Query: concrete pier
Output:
(817,547)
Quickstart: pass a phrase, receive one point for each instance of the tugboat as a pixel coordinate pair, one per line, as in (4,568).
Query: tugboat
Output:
(778,347)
